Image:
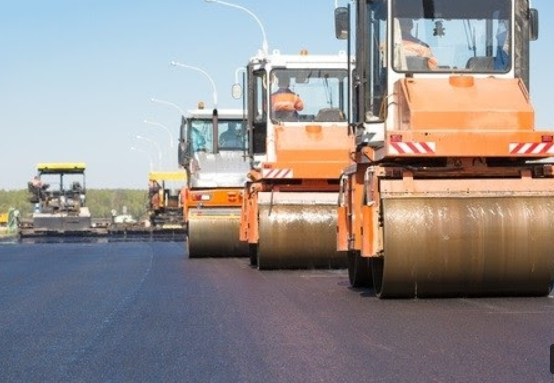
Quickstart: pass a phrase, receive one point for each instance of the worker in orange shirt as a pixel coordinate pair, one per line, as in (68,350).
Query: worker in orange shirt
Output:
(154,194)
(285,104)
(414,46)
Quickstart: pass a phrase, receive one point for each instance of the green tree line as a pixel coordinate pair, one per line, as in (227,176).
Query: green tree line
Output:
(100,202)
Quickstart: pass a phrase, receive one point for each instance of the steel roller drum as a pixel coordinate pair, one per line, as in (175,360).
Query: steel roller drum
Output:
(298,231)
(215,233)
(466,247)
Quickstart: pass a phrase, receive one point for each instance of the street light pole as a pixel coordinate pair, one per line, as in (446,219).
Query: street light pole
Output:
(149,157)
(170,104)
(175,63)
(163,127)
(265,48)
(239,69)
(157,147)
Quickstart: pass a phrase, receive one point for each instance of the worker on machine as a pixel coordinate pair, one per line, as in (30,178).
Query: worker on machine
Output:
(502,58)
(37,183)
(285,103)
(414,47)
(153,194)
(231,138)
(76,187)
(38,187)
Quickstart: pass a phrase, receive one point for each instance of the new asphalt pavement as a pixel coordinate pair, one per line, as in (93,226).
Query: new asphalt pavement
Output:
(144,312)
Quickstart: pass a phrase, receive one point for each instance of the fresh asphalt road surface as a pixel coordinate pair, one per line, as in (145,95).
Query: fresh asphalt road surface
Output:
(144,312)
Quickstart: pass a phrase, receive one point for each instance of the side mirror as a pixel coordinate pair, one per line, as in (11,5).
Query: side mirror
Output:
(533,24)
(342,19)
(183,156)
(183,150)
(236,91)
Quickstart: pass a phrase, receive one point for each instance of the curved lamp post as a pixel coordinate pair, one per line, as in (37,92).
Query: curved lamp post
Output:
(175,63)
(155,143)
(157,100)
(163,127)
(148,154)
(264,42)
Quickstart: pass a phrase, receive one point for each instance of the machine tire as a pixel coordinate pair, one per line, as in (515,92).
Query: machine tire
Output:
(377,265)
(359,270)
(427,242)
(253,253)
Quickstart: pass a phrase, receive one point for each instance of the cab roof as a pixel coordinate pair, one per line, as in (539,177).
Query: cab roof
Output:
(167,176)
(61,167)
(222,114)
(276,59)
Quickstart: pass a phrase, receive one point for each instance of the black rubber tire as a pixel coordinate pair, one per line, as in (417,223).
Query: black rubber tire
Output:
(253,253)
(377,265)
(359,270)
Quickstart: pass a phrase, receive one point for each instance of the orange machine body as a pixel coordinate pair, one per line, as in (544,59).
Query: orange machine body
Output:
(462,125)
(308,159)
(207,199)
(464,116)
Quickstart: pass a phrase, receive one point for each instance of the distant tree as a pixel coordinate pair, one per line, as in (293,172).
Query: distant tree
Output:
(101,202)
(18,199)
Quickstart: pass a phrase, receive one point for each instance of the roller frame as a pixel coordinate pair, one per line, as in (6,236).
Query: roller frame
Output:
(466,246)
(465,237)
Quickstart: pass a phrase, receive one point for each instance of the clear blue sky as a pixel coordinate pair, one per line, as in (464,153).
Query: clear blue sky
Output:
(76,76)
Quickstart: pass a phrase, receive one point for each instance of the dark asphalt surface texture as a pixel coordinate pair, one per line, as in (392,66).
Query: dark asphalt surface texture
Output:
(144,312)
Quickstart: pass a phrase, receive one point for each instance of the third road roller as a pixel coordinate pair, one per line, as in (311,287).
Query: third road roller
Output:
(212,151)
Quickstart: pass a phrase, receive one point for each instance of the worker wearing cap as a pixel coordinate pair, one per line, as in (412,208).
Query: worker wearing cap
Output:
(284,99)
(415,47)
(153,193)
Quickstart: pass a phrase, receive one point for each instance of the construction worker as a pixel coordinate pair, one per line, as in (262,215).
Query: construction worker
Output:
(39,187)
(231,138)
(153,194)
(36,182)
(413,46)
(502,58)
(284,102)
(76,187)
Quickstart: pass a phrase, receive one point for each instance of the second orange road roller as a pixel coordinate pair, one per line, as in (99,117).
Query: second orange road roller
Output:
(445,197)
(299,144)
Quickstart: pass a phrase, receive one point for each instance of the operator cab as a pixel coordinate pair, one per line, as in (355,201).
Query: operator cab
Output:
(463,37)
(201,135)
(58,187)
(292,92)
(214,154)
(198,131)
(434,39)
(321,93)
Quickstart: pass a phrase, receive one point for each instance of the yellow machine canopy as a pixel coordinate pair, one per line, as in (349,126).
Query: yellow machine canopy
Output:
(167,176)
(61,167)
